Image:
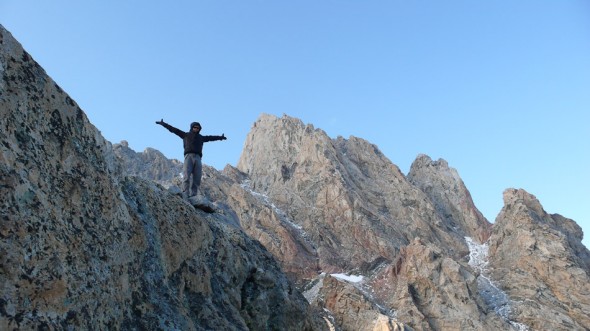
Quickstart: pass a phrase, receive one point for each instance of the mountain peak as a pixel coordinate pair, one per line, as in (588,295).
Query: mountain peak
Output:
(88,226)
(423,160)
(514,197)
(550,261)
(445,188)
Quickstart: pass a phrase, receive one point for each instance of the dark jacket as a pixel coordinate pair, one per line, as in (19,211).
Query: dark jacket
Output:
(193,142)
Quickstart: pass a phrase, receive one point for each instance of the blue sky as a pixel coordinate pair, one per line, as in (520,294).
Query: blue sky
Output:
(499,89)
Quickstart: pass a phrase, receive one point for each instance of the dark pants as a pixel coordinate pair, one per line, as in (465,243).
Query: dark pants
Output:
(192,168)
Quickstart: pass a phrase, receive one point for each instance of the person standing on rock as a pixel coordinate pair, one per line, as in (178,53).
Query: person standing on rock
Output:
(193,152)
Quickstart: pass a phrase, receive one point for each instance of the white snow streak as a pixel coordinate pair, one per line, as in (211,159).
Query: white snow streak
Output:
(348,278)
(313,292)
(282,216)
(492,294)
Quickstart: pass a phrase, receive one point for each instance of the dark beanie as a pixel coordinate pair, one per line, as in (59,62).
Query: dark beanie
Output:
(193,124)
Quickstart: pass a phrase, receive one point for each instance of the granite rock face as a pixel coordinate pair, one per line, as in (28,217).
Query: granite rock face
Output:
(233,197)
(83,246)
(538,259)
(451,198)
(354,204)
(431,291)
(151,164)
(350,308)
(362,215)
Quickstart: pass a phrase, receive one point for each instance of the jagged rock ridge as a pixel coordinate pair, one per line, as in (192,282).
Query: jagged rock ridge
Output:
(367,209)
(318,205)
(151,164)
(538,259)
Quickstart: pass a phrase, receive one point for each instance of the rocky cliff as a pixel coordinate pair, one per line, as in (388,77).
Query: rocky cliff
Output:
(351,201)
(83,246)
(538,259)
(310,232)
(450,197)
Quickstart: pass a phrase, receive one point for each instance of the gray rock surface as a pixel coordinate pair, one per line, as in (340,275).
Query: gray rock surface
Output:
(539,261)
(431,291)
(150,164)
(351,309)
(426,284)
(450,197)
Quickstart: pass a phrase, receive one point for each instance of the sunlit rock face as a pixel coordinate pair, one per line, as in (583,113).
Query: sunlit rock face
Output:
(354,204)
(83,246)
(431,291)
(538,259)
(361,214)
(350,307)
(450,197)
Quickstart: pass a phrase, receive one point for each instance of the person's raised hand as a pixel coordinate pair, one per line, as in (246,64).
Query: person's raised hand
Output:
(223,137)
(160,122)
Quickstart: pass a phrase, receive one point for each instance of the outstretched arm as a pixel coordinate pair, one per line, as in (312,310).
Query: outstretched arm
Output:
(172,129)
(214,138)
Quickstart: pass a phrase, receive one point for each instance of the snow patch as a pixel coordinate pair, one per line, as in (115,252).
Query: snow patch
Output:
(313,292)
(492,295)
(348,278)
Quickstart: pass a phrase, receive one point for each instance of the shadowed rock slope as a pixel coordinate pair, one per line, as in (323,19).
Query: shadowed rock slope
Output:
(84,247)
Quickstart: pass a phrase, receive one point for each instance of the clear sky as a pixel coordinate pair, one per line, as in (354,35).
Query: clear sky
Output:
(500,89)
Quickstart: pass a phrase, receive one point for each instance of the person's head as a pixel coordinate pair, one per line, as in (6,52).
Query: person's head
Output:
(195,126)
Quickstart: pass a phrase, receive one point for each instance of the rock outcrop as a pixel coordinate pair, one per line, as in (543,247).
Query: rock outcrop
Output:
(539,261)
(82,246)
(350,307)
(253,212)
(151,164)
(431,291)
(449,195)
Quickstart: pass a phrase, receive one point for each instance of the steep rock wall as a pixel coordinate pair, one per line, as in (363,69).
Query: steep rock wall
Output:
(356,206)
(538,259)
(449,195)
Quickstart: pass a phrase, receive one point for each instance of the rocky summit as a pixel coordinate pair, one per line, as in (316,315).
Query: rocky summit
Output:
(308,233)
